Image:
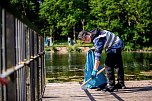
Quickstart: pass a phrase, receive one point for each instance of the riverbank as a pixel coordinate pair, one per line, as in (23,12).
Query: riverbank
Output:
(64,50)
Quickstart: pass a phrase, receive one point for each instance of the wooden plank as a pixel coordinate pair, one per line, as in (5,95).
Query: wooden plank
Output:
(71,91)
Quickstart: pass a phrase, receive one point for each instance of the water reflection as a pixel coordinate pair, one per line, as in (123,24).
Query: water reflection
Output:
(70,67)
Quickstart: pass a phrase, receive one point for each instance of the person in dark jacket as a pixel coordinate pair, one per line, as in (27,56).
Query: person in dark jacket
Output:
(103,39)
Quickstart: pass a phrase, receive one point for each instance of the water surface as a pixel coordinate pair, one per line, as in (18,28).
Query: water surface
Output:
(70,66)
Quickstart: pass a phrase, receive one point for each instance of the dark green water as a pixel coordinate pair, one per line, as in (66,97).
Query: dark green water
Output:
(70,67)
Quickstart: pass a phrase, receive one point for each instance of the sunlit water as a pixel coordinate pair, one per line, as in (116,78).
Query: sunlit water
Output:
(70,67)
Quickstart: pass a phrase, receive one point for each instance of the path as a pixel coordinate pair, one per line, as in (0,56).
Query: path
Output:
(71,91)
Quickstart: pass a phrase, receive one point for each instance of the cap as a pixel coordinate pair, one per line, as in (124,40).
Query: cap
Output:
(82,34)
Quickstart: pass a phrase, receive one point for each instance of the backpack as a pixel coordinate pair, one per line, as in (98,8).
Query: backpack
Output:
(100,81)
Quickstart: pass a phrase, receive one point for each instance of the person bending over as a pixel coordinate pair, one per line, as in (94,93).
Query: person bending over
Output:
(103,39)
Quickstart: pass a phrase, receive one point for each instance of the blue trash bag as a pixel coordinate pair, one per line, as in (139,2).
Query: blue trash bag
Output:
(100,81)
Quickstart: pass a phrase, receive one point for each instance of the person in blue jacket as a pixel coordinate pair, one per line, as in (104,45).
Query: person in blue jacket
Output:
(103,39)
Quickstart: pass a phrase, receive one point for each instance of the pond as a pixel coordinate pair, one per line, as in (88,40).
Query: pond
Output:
(70,66)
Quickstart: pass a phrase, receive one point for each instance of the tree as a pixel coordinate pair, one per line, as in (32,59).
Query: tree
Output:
(130,19)
(62,15)
(29,8)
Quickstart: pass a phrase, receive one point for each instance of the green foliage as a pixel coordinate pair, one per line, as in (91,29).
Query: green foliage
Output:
(131,19)
(29,8)
(61,15)
(125,18)
(74,48)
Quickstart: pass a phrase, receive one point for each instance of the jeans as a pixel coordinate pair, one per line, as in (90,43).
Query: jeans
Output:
(114,61)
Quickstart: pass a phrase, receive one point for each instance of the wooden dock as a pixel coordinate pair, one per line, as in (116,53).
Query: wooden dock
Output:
(71,91)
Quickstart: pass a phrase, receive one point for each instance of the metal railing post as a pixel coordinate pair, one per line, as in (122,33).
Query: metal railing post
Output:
(21,58)
(1,50)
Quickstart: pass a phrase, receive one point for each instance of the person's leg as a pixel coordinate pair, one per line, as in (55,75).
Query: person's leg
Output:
(109,68)
(110,75)
(120,71)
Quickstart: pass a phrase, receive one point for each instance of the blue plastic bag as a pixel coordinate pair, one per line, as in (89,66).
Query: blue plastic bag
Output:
(100,80)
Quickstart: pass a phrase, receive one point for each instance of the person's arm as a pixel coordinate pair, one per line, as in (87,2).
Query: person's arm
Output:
(98,44)
(96,65)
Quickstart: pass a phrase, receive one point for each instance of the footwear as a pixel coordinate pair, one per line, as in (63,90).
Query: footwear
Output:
(120,86)
(109,88)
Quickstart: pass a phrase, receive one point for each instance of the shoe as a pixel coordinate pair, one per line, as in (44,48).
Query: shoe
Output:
(120,86)
(109,88)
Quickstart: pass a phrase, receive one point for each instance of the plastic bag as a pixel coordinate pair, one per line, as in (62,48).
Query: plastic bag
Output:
(100,81)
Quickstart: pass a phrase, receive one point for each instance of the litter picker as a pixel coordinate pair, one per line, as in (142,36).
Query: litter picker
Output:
(82,86)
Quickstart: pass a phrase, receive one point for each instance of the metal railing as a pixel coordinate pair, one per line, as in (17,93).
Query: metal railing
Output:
(21,58)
